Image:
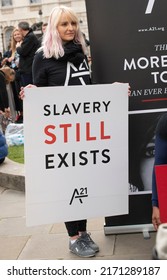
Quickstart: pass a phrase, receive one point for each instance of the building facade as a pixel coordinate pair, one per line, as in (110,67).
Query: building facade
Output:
(35,12)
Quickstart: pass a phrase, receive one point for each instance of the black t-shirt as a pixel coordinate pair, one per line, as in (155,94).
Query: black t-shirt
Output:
(54,72)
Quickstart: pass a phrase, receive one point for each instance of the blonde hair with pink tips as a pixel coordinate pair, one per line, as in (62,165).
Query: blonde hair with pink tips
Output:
(52,44)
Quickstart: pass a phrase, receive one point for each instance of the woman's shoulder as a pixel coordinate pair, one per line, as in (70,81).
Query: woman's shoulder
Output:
(39,57)
(39,52)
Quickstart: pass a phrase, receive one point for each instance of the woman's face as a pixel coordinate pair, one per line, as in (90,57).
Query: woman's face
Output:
(66,28)
(17,36)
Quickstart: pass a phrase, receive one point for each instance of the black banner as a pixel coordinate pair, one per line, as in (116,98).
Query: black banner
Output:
(128,40)
(129,44)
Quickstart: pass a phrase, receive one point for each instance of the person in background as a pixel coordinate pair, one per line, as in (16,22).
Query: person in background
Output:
(6,54)
(26,50)
(86,40)
(1,58)
(160,158)
(64,46)
(7,75)
(13,62)
(44,26)
(3,148)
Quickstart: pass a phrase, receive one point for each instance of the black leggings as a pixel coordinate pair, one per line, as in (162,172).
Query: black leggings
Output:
(74,227)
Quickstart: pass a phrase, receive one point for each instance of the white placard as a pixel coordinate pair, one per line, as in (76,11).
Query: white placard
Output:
(76,152)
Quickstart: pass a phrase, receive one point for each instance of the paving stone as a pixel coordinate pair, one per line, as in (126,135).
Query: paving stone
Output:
(134,244)
(12,175)
(55,246)
(17,227)
(11,209)
(12,195)
(58,228)
(10,247)
(2,189)
(45,247)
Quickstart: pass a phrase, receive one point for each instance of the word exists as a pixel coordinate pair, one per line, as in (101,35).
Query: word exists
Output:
(73,159)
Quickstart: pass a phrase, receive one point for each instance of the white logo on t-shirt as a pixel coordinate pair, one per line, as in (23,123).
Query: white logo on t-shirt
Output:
(74,72)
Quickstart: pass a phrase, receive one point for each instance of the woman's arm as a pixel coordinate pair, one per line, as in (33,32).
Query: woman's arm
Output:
(156,217)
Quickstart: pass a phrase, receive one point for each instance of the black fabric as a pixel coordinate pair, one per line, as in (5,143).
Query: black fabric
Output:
(4,102)
(27,51)
(75,227)
(62,71)
(73,53)
(2,160)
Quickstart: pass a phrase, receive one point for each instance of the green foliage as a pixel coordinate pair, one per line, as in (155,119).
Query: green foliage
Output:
(16,153)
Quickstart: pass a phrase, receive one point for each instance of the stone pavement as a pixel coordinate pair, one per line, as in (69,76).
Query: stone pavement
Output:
(50,242)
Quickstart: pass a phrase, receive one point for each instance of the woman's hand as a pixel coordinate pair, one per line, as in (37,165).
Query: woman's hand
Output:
(6,113)
(156,217)
(4,61)
(18,44)
(22,92)
(10,59)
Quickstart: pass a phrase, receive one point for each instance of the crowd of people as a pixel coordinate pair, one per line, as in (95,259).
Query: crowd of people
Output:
(43,62)
(19,58)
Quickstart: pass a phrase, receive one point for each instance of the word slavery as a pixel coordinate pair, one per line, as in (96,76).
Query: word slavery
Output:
(84,108)
(83,157)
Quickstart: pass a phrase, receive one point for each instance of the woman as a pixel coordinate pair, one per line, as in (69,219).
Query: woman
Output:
(62,54)
(13,62)
(13,58)
(160,158)
(16,40)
